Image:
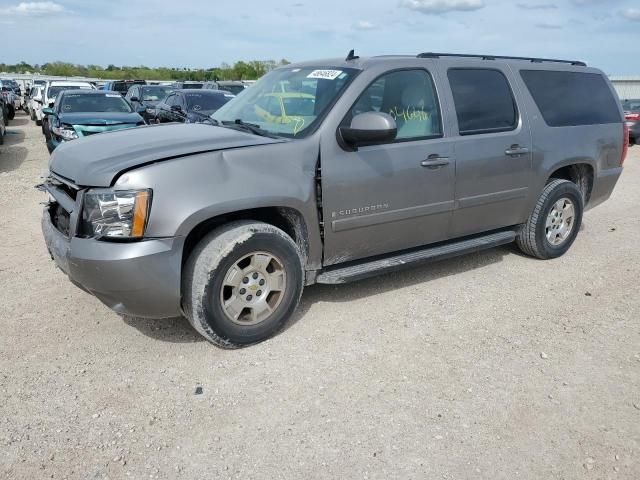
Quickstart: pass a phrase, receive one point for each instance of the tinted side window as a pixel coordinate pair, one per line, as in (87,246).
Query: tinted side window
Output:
(483,99)
(571,98)
(409,97)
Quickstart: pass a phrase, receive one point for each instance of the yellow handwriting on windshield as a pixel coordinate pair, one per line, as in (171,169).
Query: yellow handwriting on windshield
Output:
(409,114)
(299,124)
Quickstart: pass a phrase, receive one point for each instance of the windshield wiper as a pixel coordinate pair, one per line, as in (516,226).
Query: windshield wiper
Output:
(248,127)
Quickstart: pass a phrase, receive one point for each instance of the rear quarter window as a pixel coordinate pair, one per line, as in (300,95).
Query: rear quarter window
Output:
(572,98)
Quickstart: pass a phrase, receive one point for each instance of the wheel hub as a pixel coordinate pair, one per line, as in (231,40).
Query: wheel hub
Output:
(253,288)
(560,222)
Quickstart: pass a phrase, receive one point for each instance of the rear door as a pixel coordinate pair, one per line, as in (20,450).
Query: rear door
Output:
(492,148)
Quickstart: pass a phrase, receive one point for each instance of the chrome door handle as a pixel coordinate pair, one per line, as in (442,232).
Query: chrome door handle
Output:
(435,161)
(516,151)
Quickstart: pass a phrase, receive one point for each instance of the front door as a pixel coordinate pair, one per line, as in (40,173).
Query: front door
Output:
(493,149)
(390,197)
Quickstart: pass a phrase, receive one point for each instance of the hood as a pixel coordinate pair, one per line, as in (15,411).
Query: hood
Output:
(95,160)
(99,118)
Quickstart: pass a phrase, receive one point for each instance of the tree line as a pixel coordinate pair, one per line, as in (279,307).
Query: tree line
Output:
(240,70)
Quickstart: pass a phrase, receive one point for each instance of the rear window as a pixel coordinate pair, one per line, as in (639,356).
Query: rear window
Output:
(205,101)
(571,98)
(483,100)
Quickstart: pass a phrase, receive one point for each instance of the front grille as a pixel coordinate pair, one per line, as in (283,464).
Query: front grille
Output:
(72,192)
(62,204)
(60,218)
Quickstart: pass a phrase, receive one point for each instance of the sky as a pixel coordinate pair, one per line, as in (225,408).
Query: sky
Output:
(205,33)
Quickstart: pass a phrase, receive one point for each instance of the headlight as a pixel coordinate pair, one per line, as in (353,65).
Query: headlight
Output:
(115,213)
(65,131)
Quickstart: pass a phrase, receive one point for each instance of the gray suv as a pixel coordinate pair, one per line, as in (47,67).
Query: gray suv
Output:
(329,172)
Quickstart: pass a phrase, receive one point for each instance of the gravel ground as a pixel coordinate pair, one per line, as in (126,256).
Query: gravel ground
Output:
(492,366)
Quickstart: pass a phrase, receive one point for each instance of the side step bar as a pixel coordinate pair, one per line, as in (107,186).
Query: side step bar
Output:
(366,269)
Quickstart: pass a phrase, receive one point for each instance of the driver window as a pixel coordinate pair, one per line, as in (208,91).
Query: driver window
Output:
(409,97)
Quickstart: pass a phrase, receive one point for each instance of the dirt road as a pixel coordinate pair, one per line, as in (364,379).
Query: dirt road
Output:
(490,366)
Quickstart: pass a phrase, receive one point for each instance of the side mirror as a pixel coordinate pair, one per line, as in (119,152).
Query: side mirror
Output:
(48,111)
(134,99)
(176,108)
(369,128)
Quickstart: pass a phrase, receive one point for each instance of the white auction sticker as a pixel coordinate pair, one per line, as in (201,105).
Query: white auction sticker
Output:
(326,74)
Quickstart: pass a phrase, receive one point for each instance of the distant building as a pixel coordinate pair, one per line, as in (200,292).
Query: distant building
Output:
(627,87)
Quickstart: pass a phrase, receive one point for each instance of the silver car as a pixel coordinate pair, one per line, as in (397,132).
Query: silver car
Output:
(329,172)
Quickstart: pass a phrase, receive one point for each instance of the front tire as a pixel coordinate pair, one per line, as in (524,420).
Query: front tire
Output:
(555,221)
(241,283)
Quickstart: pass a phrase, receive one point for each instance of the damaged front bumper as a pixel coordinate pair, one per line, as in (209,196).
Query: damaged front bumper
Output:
(139,279)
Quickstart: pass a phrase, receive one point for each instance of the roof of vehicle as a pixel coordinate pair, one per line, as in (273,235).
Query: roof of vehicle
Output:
(90,92)
(65,83)
(362,63)
(141,82)
(203,91)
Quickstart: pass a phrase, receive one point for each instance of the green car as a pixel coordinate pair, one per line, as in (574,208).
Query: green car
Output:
(80,113)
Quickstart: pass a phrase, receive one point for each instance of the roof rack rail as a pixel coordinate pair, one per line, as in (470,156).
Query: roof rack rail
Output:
(498,57)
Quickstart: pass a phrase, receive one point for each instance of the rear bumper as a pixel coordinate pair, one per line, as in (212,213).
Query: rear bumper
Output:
(139,279)
(603,186)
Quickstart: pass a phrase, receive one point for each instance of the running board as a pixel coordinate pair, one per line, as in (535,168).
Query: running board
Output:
(366,269)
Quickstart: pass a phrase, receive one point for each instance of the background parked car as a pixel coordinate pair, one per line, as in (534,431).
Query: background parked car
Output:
(121,86)
(188,106)
(80,113)
(188,85)
(3,126)
(35,102)
(632,117)
(9,99)
(8,82)
(52,90)
(147,97)
(235,87)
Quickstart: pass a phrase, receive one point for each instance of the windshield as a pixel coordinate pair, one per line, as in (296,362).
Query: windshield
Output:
(206,101)
(155,94)
(109,102)
(631,105)
(288,101)
(56,89)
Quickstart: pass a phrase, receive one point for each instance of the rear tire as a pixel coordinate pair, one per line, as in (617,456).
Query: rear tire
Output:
(32,114)
(555,221)
(12,113)
(241,283)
